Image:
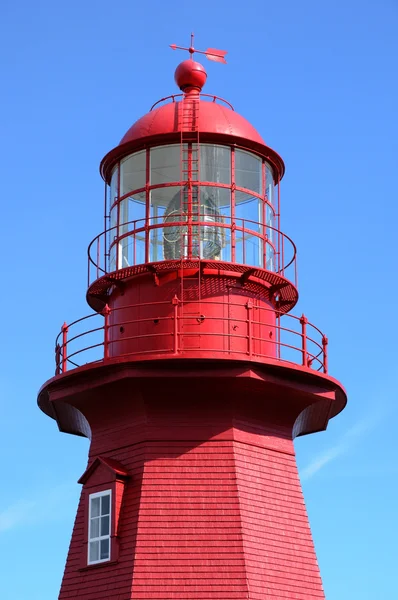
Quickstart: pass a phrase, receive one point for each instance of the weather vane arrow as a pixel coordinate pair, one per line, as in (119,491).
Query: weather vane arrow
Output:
(211,53)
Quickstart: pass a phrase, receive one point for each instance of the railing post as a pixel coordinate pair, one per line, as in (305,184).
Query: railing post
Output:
(175,303)
(64,330)
(98,254)
(249,307)
(58,355)
(325,342)
(106,312)
(304,321)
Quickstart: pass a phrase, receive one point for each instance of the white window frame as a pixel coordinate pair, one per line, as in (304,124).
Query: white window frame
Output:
(99,537)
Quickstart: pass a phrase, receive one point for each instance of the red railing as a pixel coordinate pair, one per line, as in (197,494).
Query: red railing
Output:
(301,343)
(142,241)
(208,97)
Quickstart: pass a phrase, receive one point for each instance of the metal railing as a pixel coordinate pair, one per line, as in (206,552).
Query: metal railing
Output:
(301,343)
(208,97)
(240,241)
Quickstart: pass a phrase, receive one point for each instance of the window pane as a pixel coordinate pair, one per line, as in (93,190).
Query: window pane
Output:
(166,207)
(105,504)
(114,183)
(94,528)
(105,525)
(215,207)
(95,507)
(215,163)
(270,222)
(94,552)
(165,164)
(248,171)
(215,199)
(249,208)
(133,209)
(104,549)
(254,251)
(133,173)
(167,200)
(114,218)
(270,266)
(269,185)
(249,249)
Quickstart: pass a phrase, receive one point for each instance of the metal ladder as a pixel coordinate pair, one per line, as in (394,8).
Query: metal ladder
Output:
(188,121)
(189,166)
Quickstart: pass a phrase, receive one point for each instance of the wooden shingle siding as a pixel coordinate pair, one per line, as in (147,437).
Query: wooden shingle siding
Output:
(218,519)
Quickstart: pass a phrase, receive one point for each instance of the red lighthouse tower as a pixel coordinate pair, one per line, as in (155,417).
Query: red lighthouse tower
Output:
(192,377)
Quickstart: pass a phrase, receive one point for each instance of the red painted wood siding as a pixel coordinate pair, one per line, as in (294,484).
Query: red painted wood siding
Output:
(213,519)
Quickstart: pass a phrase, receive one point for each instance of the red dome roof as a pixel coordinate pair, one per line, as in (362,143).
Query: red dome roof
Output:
(217,123)
(213,118)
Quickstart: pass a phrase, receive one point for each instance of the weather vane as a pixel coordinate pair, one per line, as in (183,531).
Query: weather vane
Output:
(210,53)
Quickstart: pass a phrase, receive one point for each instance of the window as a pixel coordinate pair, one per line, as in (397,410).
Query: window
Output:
(99,527)
(215,163)
(248,171)
(165,164)
(133,173)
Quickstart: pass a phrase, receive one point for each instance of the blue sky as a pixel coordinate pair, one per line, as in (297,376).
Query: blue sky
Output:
(318,80)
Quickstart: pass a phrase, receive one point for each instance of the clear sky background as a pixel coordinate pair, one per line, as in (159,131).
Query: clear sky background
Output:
(318,79)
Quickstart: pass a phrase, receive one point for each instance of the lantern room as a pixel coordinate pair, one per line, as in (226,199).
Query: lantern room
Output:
(228,212)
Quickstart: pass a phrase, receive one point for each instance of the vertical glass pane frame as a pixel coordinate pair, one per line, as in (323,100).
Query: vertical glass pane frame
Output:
(99,527)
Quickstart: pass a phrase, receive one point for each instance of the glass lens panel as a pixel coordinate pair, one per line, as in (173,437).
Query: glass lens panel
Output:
(105,526)
(215,163)
(105,504)
(95,507)
(94,551)
(133,173)
(165,164)
(104,549)
(94,527)
(248,171)
(248,208)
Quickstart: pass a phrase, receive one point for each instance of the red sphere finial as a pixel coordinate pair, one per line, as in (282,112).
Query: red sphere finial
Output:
(190,74)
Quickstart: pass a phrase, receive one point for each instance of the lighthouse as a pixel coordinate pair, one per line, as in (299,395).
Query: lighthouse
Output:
(192,375)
